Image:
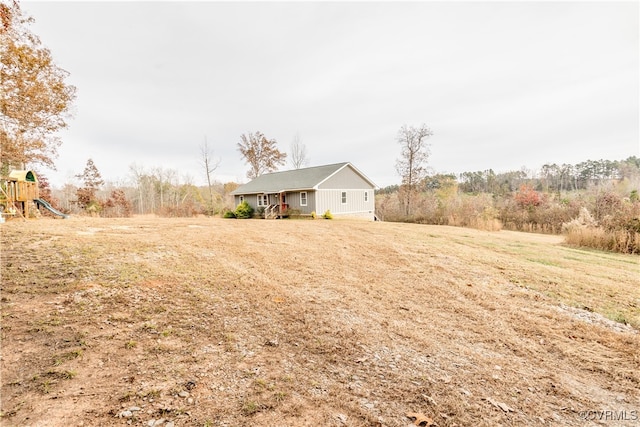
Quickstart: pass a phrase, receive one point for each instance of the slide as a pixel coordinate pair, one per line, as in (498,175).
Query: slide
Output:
(47,206)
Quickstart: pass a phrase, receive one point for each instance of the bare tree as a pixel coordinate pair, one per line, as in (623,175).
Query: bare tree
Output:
(210,165)
(164,182)
(260,153)
(411,165)
(142,183)
(298,153)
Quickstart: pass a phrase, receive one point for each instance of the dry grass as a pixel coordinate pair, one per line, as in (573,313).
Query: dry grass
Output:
(287,323)
(592,237)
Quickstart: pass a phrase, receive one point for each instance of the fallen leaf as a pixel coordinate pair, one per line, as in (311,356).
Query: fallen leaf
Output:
(420,419)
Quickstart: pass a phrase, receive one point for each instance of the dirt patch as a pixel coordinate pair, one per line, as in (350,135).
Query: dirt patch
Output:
(215,322)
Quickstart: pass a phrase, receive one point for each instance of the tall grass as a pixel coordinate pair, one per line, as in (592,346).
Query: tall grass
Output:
(614,225)
(623,241)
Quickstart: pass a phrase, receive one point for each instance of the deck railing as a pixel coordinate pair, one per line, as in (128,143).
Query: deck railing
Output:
(271,212)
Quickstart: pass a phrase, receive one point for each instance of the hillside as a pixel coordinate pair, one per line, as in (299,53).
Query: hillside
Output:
(212,322)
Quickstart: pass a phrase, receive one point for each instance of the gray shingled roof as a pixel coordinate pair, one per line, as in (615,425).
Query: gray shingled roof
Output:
(297,179)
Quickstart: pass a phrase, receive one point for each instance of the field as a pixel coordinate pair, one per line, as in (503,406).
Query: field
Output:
(212,322)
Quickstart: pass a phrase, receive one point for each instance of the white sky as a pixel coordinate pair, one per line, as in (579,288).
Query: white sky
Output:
(502,84)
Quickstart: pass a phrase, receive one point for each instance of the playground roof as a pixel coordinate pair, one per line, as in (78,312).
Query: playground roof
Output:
(23,175)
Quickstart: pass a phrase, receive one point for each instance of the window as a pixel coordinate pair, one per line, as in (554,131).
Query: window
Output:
(241,199)
(366,196)
(263,200)
(303,198)
(344,197)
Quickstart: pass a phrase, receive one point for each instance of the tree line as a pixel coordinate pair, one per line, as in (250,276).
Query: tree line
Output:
(36,100)
(552,177)
(595,202)
(549,178)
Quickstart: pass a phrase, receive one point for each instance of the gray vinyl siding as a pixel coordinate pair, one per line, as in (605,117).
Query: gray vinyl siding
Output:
(356,206)
(293,200)
(247,199)
(345,178)
(324,186)
(251,199)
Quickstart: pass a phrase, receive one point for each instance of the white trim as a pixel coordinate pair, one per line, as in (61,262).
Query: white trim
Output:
(345,189)
(292,190)
(306,198)
(353,212)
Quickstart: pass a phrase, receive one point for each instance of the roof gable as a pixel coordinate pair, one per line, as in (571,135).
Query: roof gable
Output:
(297,179)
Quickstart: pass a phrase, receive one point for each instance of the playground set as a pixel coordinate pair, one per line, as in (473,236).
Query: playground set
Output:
(18,192)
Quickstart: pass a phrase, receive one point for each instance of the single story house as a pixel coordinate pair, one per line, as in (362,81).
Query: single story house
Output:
(339,188)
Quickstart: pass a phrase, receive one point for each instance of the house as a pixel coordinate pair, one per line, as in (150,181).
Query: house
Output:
(339,188)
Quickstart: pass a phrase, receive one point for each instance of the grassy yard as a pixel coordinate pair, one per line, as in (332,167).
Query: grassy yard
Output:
(213,322)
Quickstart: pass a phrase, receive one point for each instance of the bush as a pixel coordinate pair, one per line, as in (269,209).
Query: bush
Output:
(185,210)
(244,210)
(117,205)
(229,214)
(618,236)
(292,213)
(527,197)
(94,207)
(327,215)
(313,214)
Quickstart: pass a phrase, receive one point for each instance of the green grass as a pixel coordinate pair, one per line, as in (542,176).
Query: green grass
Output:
(545,262)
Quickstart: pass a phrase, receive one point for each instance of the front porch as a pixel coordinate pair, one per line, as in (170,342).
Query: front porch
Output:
(275,205)
(276,211)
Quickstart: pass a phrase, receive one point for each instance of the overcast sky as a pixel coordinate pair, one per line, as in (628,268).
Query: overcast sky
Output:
(502,85)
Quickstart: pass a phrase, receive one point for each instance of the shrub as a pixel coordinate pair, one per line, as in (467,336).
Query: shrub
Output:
(583,221)
(94,207)
(327,215)
(229,214)
(527,197)
(292,213)
(244,210)
(117,205)
(613,236)
(313,214)
(185,210)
